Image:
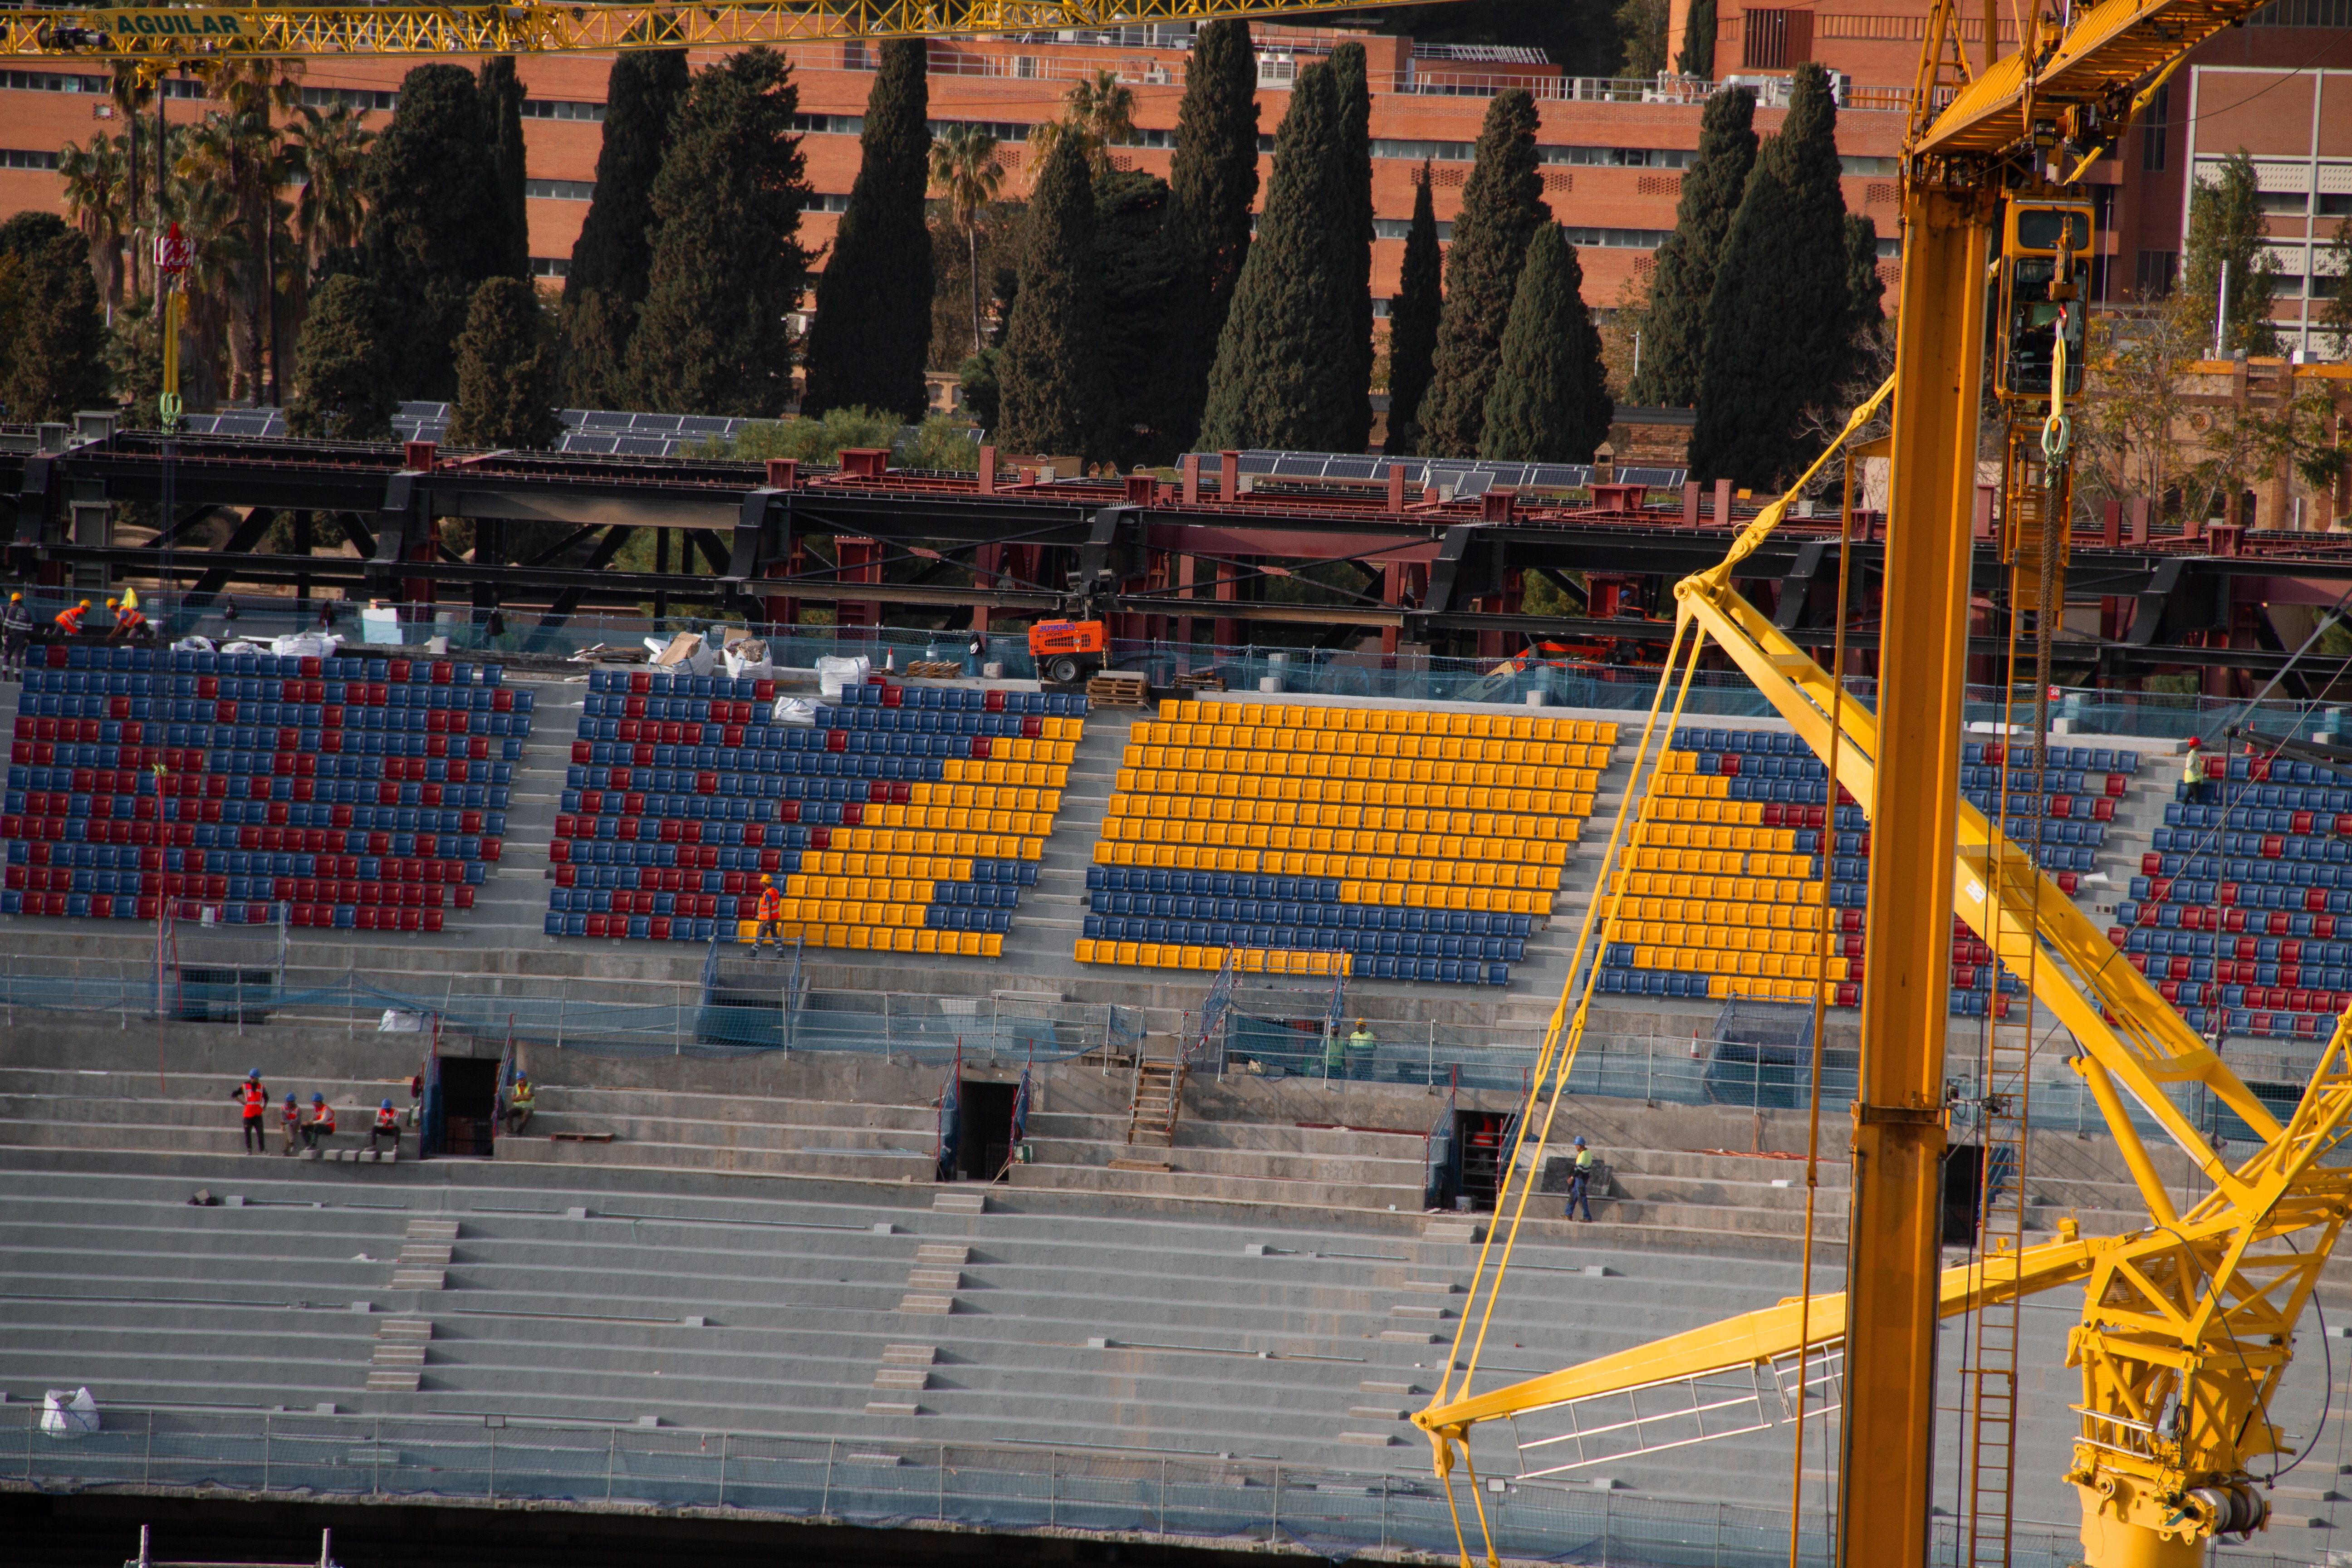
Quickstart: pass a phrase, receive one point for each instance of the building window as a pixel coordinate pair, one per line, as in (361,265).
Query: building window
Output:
(561,108)
(17,158)
(2155,127)
(1775,40)
(2303,13)
(2152,279)
(1620,238)
(827,202)
(550,267)
(560,190)
(1402,228)
(50,81)
(348,98)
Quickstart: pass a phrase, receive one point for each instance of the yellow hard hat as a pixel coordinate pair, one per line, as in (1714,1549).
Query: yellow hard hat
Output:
(111,604)
(85,603)
(767,881)
(16,598)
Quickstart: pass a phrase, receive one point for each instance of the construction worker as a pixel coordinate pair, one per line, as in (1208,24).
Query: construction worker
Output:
(387,1127)
(2192,771)
(770,917)
(1360,1051)
(16,634)
(290,1125)
(253,1108)
(518,1103)
(69,619)
(1335,1053)
(321,1124)
(1579,1182)
(129,625)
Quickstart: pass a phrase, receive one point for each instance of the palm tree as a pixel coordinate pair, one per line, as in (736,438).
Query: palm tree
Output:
(96,181)
(964,167)
(242,149)
(1101,109)
(131,89)
(329,152)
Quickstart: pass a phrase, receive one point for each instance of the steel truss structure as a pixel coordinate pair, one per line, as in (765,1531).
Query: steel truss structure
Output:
(758,541)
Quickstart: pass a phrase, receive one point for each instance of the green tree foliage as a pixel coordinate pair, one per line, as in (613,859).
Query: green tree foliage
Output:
(1132,256)
(984,396)
(817,441)
(728,264)
(1212,182)
(1284,368)
(1697,56)
(1413,318)
(2225,226)
(873,325)
(506,370)
(1642,33)
(1777,321)
(606,283)
(1550,402)
(343,382)
(1354,175)
(1050,371)
(1502,206)
(2335,316)
(28,231)
(1865,292)
(969,269)
(501,91)
(1674,324)
(969,173)
(57,363)
(435,228)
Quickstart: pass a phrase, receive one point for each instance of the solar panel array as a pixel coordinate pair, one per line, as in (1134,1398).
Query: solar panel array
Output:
(1469,477)
(615,433)
(588,430)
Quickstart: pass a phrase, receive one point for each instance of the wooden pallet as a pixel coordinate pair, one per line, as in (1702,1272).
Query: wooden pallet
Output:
(934,670)
(1117,690)
(1200,681)
(580,1137)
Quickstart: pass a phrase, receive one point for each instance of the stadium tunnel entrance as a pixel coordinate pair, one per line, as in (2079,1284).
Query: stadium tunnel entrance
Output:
(469,1090)
(983,1129)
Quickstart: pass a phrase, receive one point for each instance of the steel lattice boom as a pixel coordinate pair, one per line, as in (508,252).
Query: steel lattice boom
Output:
(191,33)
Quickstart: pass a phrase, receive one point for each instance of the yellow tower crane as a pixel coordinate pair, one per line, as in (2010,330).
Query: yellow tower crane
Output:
(173,35)
(2187,1322)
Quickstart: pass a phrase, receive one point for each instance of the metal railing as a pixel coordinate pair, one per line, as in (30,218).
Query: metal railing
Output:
(889,1484)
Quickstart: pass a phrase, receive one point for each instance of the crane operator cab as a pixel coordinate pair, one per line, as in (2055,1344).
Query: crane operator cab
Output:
(2044,252)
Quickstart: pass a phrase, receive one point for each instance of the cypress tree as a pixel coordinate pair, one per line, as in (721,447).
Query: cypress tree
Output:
(1674,322)
(1050,371)
(501,92)
(1697,56)
(726,264)
(873,322)
(1132,258)
(1502,206)
(1213,185)
(505,370)
(606,282)
(1550,402)
(1865,292)
(1352,240)
(343,387)
(27,231)
(1777,319)
(1413,319)
(1279,381)
(57,365)
(435,228)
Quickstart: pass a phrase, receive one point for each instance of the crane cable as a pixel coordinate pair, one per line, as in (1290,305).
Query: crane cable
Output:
(1556,1057)
(1827,843)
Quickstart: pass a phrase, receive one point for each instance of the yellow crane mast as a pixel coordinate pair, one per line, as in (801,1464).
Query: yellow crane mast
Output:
(2188,1323)
(174,34)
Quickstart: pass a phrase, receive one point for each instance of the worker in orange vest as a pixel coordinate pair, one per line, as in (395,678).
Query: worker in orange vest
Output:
(253,1107)
(771,915)
(129,623)
(323,1121)
(388,1125)
(69,619)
